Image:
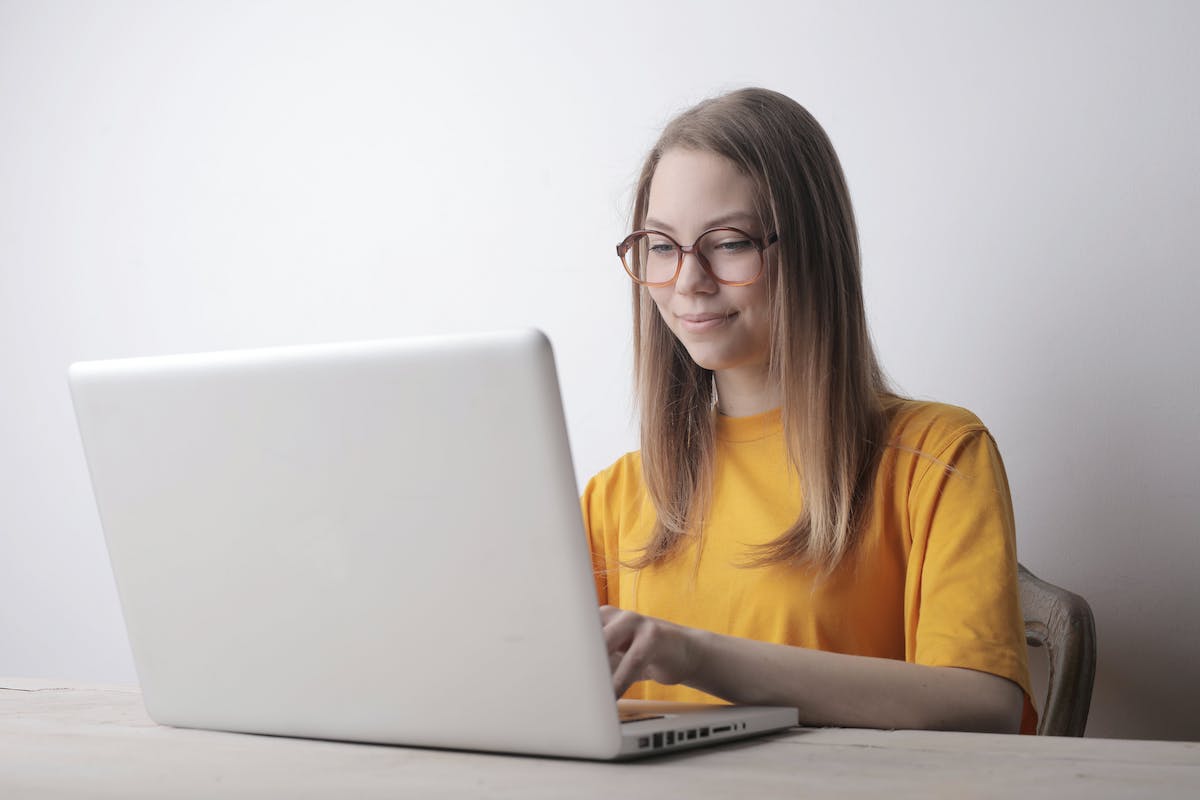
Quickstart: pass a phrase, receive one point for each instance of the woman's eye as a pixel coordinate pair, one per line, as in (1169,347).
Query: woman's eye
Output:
(735,246)
(662,249)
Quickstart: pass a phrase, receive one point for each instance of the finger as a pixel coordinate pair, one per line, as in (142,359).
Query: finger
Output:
(629,668)
(620,629)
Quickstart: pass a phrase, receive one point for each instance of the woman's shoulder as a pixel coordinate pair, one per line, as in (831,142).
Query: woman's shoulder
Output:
(621,477)
(614,493)
(929,426)
(928,438)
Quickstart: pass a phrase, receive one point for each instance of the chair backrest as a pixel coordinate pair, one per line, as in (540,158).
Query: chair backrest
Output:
(1061,621)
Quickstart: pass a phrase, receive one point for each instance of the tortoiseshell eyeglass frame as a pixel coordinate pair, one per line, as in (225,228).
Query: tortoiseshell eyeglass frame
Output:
(761,245)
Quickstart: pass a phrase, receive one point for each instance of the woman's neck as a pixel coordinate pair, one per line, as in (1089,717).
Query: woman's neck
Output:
(744,391)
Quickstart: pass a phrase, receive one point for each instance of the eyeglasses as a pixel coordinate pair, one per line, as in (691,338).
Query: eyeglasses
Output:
(731,256)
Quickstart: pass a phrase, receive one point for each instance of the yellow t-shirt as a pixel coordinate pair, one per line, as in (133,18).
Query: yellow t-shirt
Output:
(933,580)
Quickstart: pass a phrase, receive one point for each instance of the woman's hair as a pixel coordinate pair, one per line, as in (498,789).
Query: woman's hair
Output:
(836,400)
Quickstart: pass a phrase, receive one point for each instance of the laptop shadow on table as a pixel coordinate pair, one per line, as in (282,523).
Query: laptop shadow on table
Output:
(677,755)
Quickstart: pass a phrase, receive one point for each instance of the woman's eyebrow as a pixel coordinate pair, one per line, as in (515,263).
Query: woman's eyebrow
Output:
(716,222)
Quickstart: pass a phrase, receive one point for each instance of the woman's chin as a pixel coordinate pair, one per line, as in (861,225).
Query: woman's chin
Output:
(708,357)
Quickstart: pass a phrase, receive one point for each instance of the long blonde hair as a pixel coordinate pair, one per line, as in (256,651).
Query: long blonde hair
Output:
(836,400)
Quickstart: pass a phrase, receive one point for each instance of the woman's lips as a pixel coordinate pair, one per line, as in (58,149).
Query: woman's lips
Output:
(699,323)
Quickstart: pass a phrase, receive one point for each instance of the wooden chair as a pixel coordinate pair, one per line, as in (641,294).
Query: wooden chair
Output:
(1061,622)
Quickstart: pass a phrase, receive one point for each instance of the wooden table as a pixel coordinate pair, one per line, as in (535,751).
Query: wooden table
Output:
(64,740)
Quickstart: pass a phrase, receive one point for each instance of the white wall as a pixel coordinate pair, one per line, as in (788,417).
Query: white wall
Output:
(192,176)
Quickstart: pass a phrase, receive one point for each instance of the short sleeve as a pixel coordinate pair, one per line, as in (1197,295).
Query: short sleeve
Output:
(592,503)
(964,565)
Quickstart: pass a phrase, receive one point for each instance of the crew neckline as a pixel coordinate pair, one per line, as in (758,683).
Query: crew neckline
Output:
(751,428)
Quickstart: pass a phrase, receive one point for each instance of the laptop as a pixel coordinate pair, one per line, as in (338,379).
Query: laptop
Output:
(372,542)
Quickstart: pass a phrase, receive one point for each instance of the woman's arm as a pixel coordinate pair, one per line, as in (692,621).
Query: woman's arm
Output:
(827,688)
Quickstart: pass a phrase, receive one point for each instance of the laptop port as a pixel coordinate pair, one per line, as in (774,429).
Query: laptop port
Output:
(643,742)
(691,734)
(658,740)
(703,733)
(670,738)
(723,729)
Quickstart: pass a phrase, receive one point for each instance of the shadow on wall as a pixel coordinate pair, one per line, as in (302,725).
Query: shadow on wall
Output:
(1122,539)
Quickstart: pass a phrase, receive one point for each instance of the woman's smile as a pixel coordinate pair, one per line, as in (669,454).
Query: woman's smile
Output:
(702,323)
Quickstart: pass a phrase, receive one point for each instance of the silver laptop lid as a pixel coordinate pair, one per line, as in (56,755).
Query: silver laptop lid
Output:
(372,541)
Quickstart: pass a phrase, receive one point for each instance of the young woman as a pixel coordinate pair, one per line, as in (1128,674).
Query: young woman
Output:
(792,532)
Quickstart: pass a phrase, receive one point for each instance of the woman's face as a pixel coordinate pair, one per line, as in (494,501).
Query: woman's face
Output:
(722,327)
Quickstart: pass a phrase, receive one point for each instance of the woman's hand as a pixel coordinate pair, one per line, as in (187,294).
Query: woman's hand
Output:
(647,648)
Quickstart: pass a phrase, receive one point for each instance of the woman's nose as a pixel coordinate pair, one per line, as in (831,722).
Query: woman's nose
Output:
(693,277)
